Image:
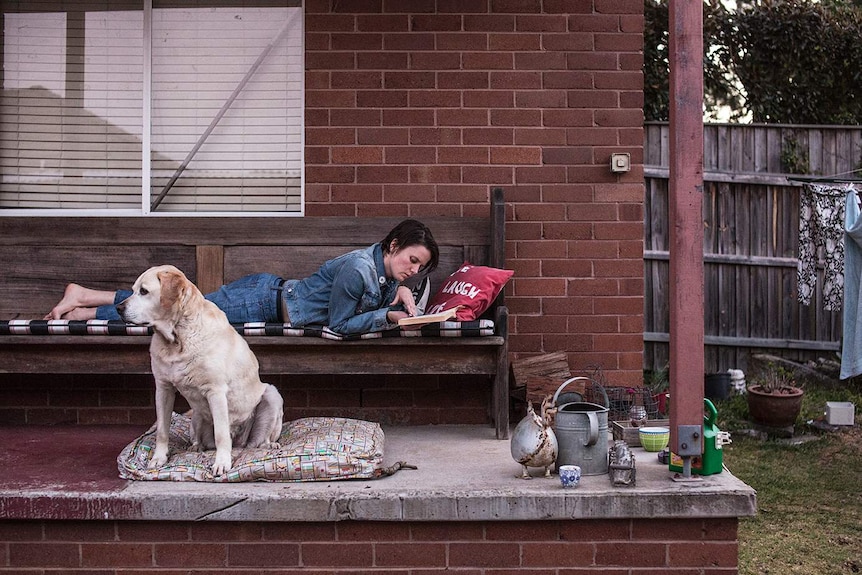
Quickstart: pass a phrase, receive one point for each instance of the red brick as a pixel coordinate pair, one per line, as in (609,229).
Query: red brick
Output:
(381,174)
(410,155)
(291,531)
(463,155)
(279,555)
(540,136)
(381,60)
(541,23)
(572,41)
(44,555)
(228,531)
(539,286)
(408,193)
(515,80)
(703,554)
(394,117)
(632,554)
(330,98)
(461,42)
(357,155)
(357,193)
(24,531)
(198,554)
(337,555)
(373,531)
(436,22)
(517,6)
(329,60)
(487,61)
(435,174)
(383,23)
(489,23)
(435,98)
(436,136)
(117,555)
(380,136)
(466,80)
(489,99)
(381,99)
(484,555)
(435,61)
(462,117)
(455,531)
(557,554)
(364,117)
(341,41)
(543,99)
(522,531)
(411,41)
(595,23)
(329,22)
(410,554)
(409,80)
(516,155)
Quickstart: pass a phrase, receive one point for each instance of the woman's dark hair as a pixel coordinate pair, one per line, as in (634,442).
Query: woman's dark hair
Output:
(413,233)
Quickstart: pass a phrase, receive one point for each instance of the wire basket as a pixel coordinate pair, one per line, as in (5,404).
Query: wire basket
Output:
(621,399)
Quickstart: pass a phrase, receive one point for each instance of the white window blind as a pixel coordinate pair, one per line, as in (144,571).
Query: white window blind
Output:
(225,105)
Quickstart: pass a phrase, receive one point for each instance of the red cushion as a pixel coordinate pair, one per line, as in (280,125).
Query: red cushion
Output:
(472,287)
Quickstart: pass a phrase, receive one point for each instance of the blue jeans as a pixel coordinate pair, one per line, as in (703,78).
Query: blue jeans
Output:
(249,299)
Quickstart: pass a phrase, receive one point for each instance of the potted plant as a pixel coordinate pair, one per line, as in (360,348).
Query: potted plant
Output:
(774,399)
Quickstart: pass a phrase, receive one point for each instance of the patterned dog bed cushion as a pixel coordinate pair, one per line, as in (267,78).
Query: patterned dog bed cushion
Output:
(312,449)
(475,328)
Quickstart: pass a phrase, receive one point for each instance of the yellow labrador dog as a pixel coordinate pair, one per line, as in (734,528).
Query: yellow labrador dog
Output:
(197,352)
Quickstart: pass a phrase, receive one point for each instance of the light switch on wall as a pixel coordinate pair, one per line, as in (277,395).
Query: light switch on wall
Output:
(621,163)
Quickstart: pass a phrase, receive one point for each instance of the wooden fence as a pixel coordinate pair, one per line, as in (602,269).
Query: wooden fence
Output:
(751,227)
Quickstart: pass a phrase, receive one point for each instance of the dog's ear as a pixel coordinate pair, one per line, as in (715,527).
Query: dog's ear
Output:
(172,288)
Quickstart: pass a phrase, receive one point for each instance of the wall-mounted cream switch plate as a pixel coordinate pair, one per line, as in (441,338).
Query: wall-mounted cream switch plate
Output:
(621,163)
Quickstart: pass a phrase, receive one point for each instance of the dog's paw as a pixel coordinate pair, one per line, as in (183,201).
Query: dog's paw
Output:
(158,459)
(221,463)
(270,445)
(196,447)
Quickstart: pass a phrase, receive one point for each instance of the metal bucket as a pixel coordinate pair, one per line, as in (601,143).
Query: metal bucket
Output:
(582,435)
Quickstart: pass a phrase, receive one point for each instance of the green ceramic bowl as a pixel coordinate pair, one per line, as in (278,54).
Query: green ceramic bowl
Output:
(654,438)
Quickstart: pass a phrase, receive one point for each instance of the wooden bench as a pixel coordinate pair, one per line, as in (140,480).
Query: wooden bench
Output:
(41,255)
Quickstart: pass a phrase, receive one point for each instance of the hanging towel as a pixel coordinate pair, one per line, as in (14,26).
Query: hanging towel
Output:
(851,348)
(821,224)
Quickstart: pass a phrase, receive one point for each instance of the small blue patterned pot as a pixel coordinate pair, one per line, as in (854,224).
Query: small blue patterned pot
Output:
(570,475)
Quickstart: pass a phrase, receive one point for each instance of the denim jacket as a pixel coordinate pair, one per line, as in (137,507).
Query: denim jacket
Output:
(350,294)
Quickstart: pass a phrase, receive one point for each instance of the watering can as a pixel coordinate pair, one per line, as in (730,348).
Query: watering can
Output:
(581,428)
(713,440)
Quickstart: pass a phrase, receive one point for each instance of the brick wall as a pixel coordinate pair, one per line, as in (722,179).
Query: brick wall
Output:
(689,546)
(418,108)
(120,399)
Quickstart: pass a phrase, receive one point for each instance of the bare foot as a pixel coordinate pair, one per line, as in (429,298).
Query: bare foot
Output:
(79,303)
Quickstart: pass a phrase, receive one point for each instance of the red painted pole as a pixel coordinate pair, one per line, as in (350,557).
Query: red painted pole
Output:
(686,364)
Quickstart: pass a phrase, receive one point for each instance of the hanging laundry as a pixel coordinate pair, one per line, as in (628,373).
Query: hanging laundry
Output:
(821,225)
(851,345)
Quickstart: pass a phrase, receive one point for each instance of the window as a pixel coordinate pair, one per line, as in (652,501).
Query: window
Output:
(129,108)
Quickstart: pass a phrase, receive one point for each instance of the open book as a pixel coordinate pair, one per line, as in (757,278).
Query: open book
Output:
(444,315)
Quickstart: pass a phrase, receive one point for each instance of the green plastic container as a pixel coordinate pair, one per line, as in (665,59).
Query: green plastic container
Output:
(711,461)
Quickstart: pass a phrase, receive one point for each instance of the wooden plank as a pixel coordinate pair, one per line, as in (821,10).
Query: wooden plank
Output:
(210,267)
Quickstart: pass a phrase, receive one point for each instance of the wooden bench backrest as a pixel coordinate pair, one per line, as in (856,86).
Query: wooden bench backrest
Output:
(41,255)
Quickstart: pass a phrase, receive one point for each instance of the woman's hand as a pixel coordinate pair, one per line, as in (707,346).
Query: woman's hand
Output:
(404,296)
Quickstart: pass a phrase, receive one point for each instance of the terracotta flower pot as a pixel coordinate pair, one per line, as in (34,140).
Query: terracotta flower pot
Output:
(774,409)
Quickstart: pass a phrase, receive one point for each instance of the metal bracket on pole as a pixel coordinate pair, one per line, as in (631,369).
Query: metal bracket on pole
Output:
(690,445)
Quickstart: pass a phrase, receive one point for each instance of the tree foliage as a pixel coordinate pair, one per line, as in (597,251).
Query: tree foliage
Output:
(783,61)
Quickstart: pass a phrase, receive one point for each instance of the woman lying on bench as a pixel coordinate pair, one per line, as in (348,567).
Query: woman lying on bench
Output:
(358,292)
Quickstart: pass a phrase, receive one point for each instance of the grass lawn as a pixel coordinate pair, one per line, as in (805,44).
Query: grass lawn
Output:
(809,495)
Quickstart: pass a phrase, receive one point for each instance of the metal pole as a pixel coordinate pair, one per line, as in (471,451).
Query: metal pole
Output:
(686,229)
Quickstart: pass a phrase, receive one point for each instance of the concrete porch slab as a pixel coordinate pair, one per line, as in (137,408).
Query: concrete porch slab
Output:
(464,474)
